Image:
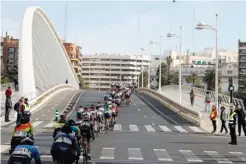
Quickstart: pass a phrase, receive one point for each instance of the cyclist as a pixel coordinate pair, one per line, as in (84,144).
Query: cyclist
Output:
(107,116)
(98,105)
(86,128)
(64,147)
(59,124)
(114,113)
(80,110)
(23,128)
(100,117)
(75,133)
(25,152)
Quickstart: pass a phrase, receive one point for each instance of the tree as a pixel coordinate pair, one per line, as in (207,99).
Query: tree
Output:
(145,79)
(82,80)
(167,76)
(193,78)
(209,79)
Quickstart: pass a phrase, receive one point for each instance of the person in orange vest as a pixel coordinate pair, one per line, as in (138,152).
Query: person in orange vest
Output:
(213,118)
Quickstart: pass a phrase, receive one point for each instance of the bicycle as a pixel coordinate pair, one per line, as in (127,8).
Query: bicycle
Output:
(106,125)
(84,149)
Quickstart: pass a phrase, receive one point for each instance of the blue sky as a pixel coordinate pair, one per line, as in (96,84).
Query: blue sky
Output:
(107,26)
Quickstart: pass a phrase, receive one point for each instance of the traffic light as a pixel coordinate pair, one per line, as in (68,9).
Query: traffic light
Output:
(230,81)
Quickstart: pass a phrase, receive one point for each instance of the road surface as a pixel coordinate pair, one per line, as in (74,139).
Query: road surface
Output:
(146,132)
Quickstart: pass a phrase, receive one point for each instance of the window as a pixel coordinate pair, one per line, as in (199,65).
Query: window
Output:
(157,58)
(71,48)
(193,62)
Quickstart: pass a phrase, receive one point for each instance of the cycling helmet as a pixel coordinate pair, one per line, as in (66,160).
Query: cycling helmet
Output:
(71,122)
(27,141)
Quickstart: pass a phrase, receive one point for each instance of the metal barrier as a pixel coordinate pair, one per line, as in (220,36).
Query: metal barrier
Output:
(180,109)
(225,100)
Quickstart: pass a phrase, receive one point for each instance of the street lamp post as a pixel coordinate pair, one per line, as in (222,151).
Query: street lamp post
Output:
(142,49)
(170,35)
(160,66)
(202,26)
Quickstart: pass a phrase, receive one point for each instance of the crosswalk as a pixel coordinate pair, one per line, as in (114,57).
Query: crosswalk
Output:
(132,127)
(161,155)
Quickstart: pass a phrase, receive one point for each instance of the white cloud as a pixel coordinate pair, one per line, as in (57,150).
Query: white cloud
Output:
(12,27)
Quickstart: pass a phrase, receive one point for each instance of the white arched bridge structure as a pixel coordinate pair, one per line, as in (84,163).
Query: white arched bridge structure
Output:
(43,63)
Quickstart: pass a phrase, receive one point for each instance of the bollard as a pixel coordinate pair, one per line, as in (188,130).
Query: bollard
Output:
(57,114)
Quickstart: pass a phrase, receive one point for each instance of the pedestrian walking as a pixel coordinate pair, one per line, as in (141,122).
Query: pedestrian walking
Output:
(241,120)
(66,81)
(8,107)
(232,126)
(207,102)
(213,118)
(192,97)
(223,118)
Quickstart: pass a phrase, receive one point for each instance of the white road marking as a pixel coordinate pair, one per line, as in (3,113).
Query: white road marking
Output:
(42,115)
(53,107)
(180,129)
(107,153)
(149,128)
(50,125)
(139,110)
(133,128)
(37,119)
(157,110)
(134,154)
(239,155)
(195,129)
(164,128)
(133,102)
(190,156)
(4,148)
(145,116)
(36,123)
(162,155)
(217,157)
(117,127)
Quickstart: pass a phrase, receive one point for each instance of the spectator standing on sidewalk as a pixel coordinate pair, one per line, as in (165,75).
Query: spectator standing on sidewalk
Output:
(241,120)
(207,102)
(232,126)
(223,118)
(19,108)
(8,107)
(192,97)
(213,118)
(8,92)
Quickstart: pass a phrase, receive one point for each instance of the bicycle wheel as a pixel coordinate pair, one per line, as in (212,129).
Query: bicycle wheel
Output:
(85,159)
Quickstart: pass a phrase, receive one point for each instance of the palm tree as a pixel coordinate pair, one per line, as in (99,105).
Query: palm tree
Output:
(209,78)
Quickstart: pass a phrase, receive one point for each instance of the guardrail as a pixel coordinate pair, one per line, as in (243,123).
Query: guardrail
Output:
(185,112)
(40,98)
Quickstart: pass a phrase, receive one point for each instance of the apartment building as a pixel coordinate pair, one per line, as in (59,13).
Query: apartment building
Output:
(100,70)
(10,47)
(242,66)
(74,53)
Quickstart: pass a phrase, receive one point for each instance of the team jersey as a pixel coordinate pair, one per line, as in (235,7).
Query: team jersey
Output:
(23,130)
(76,131)
(26,150)
(58,125)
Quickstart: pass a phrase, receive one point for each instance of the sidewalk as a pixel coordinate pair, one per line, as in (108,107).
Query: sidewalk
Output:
(198,106)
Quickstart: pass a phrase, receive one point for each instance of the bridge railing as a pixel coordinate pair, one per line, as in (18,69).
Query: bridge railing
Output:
(225,100)
(191,115)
